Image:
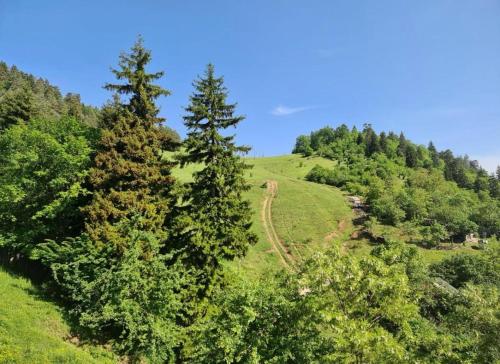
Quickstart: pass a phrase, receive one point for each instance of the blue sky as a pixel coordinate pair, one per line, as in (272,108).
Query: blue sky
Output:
(429,67)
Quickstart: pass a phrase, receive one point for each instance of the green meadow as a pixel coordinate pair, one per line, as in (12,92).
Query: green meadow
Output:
(33,329)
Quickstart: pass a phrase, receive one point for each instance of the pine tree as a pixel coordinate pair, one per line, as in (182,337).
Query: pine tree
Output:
(434,154)
(123,284)
(130,176)
(139,83)
(16,106)
(403,144)
(384,147)
(217,217)
(372,144)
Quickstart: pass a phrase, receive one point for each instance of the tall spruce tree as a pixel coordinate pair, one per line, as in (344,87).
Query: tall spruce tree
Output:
(122,283)
(130,176)
(216,216)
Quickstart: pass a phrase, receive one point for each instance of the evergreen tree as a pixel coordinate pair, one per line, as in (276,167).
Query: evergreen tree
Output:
(401,150)
(16,106)
(139,85)
(434,154)
(371,140)
(23,97)
(383,143)
(74,105)
(494,186)
(130,175)
(481,183)
(216,216)
(411,156)
(120,280)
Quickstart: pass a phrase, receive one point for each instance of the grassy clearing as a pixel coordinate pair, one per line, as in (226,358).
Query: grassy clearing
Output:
(363,247)
(32,330)
(304,213)
(307,215)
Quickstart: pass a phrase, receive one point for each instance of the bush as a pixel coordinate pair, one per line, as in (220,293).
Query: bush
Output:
(42,168)
(461,269)
(130,296)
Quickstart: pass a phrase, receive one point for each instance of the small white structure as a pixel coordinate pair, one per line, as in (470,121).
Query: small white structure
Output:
(471,238)
(355,201)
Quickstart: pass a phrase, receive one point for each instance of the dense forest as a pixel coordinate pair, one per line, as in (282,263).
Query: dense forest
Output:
(435,196)
(26,97)
(138,260)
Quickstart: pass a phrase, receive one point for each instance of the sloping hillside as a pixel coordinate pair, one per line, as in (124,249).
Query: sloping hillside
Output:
(306,216)
(292,218)
(33,330)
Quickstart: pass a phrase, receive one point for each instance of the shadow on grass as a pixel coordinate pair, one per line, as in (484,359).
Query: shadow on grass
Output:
(44,288)
(18,265)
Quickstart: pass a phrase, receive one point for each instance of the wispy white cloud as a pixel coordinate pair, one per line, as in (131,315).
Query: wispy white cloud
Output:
(282,110)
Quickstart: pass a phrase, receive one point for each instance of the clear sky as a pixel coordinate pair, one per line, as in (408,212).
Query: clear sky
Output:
(429,67)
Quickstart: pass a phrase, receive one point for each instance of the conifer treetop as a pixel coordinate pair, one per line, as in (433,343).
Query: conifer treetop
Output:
(132,69)
(208,113)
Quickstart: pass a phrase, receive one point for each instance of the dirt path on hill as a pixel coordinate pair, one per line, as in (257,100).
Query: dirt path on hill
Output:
(336,233)
(340,229)
(266,215)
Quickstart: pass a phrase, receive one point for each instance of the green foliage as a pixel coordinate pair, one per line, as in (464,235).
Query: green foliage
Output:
(16,106)
(215,219)
(24,97)
(335,309)
(130,175)
(127,295)
(392,252)
(404,182)
(303,146)
(139,84)
(116,277)
(42,170)
(252,323)
(475,323)
(461,269)
(434,234)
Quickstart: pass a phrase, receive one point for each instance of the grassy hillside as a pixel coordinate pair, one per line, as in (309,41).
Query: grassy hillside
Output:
(33,330)
(307,216)
(304,214)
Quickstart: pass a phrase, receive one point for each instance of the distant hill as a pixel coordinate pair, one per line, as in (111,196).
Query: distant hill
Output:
(436,196)
(24,96)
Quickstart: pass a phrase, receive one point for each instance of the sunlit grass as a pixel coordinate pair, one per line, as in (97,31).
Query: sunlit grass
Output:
(32,330)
